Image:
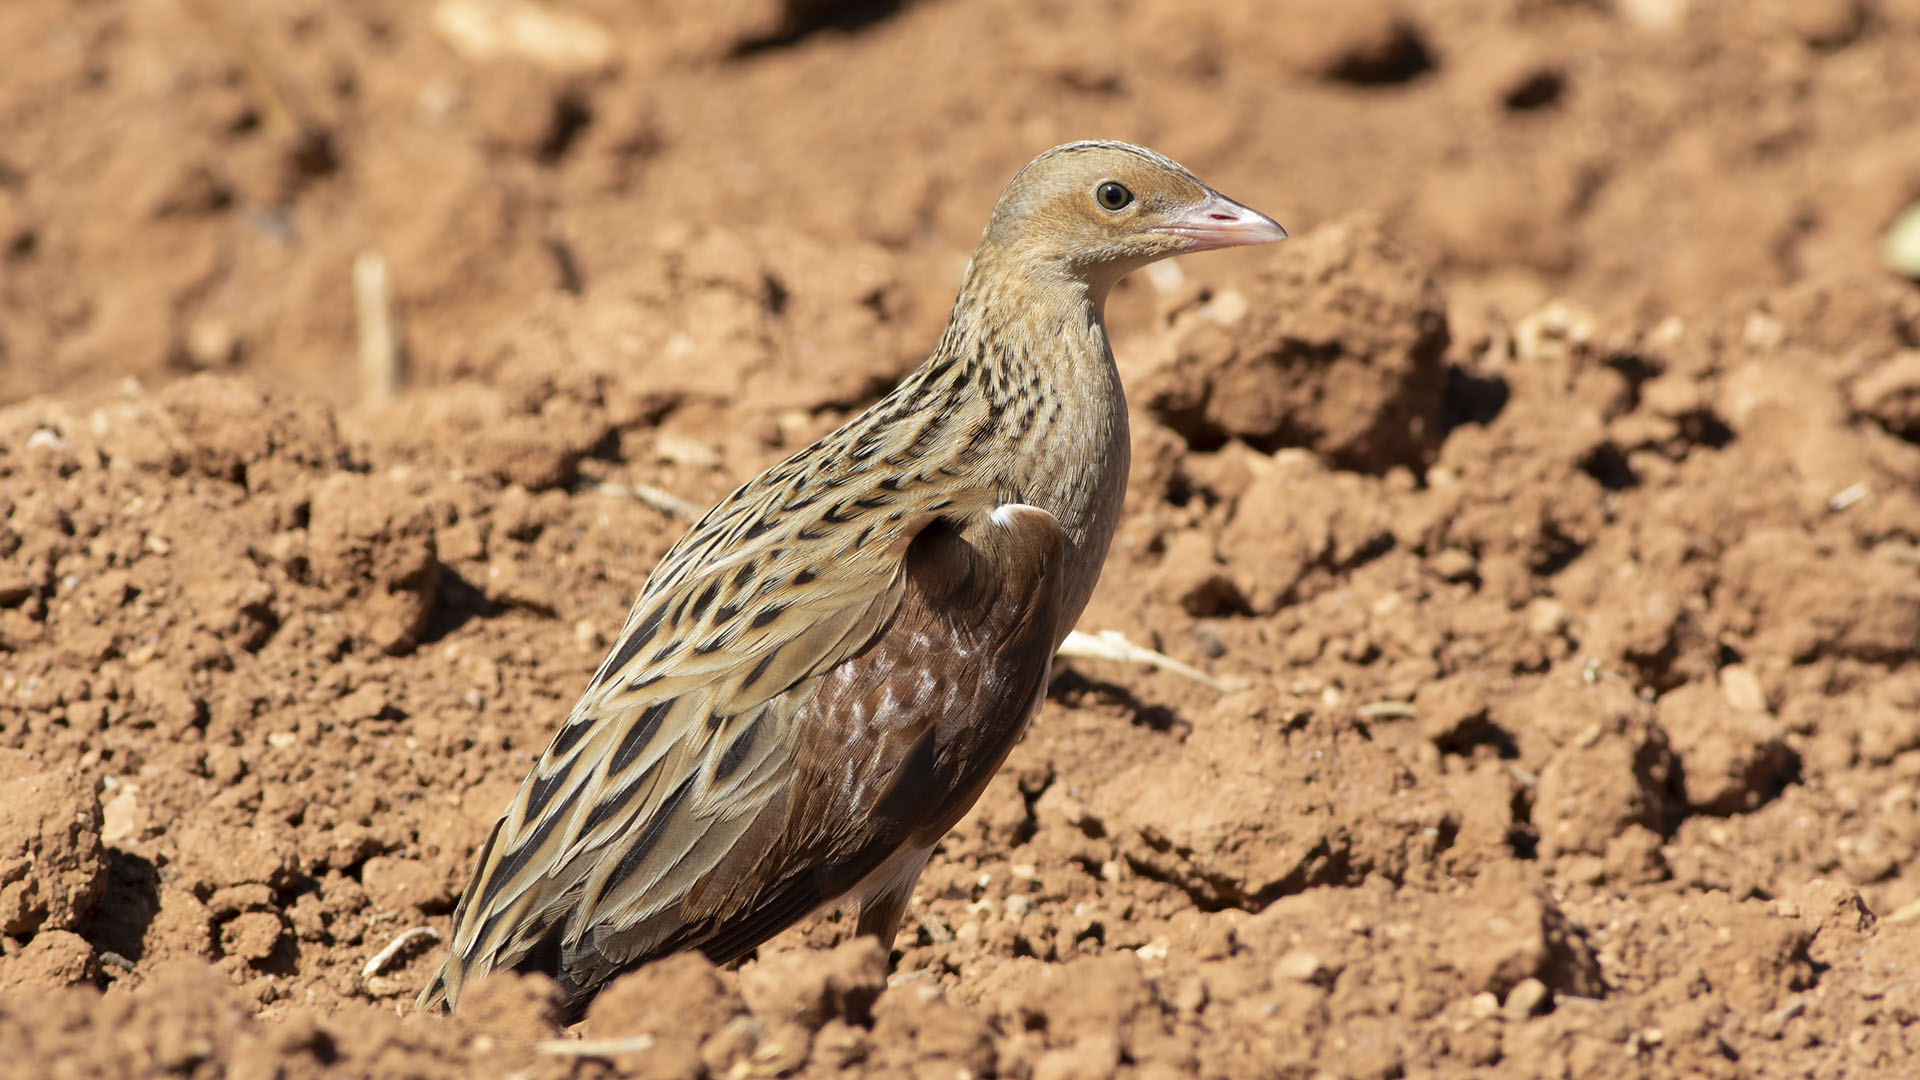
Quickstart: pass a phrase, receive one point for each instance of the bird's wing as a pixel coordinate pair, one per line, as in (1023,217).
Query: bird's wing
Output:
(893,744)
(688,726)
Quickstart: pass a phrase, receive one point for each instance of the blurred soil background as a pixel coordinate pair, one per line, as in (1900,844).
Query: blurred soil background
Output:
(1548,507)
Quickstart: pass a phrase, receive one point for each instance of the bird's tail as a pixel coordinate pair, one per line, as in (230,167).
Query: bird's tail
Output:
(434,996)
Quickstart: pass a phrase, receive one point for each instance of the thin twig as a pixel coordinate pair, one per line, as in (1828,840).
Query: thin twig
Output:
(664,501)
(380,961)
(1908,912)
(380,372)
(1112,645)
(1847,496)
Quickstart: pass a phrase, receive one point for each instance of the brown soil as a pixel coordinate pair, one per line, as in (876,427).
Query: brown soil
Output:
(1548,505)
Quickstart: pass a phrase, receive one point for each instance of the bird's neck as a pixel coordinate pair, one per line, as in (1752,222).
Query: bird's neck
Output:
(1029,337)
(1053,423)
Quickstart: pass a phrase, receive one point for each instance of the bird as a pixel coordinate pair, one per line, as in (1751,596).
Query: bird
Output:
(818,680)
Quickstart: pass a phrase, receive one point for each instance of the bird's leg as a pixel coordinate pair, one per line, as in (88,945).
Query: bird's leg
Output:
(884,895)
(880,915)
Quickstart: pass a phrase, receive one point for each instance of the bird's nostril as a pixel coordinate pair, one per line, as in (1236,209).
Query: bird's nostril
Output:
(1217,216)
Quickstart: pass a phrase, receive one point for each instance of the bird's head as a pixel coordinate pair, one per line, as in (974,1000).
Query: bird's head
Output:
(1097,210)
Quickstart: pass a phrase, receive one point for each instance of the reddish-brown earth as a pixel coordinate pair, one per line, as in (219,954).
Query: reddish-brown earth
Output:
(1548,507)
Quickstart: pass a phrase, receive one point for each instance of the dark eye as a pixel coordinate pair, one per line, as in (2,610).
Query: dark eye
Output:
(1112,195)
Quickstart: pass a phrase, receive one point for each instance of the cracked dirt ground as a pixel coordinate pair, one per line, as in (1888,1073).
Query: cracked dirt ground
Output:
(1547,507)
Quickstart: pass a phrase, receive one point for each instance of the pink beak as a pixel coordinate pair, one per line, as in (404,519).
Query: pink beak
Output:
(1219,222)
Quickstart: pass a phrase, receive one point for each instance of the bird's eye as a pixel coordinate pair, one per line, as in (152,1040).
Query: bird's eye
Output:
(1112,195)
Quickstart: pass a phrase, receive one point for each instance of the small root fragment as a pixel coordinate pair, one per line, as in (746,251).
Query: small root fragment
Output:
(379,336)
(1908,912)
(1112,645)
(1847,496)
(664,501)
(383,959)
